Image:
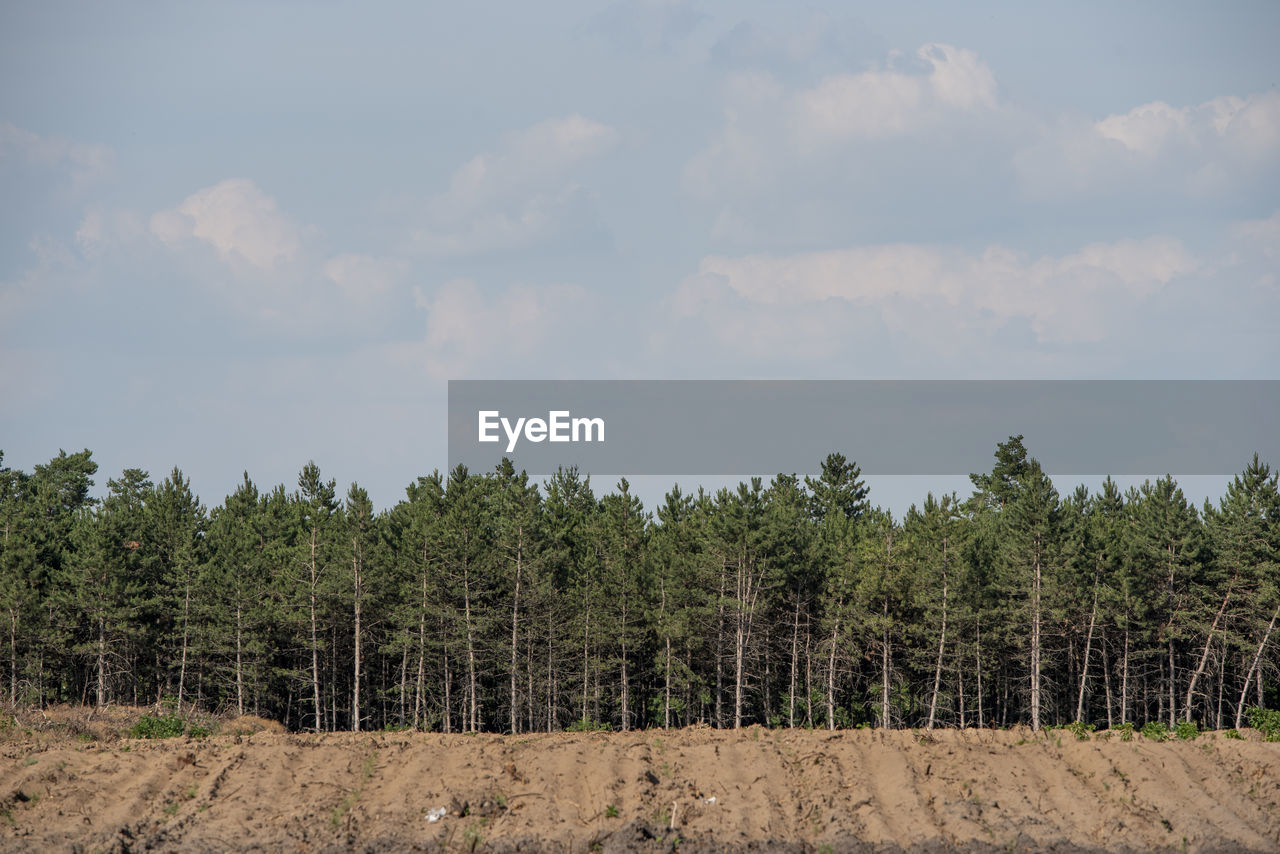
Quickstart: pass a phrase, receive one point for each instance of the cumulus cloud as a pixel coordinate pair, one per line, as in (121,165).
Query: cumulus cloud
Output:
(1063,298)
(869,152)
(768,125)
(276,271)
(1210,148)
(469,332)
(237,219)
(517,195)
(86,163)
(101,228)
(887,103)
(363,278)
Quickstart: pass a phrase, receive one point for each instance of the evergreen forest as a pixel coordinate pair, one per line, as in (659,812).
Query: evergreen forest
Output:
(489,602)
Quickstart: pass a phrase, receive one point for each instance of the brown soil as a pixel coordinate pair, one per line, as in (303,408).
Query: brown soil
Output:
(653,791)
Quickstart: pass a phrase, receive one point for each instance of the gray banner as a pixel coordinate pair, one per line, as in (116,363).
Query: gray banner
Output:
(916,427)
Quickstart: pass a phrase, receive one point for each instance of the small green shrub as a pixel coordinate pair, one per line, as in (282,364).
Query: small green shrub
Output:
(611,811)
(158,726)
(1082,730)
(1155,731)
(588,725)
(1265,721)
(1126,731)
(1233,733)
(1186,730)
(198,731)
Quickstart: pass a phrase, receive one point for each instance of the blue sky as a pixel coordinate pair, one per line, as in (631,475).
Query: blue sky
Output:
(241,236)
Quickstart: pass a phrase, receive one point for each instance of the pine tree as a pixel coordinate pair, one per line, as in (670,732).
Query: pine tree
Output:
(678,608)
(1245,539)
(573,562)
(317,505)
(19,593)
(623,573)
(177,521)
(518,535)
(238,572)
(932,536)
(1165,550)
(362,535)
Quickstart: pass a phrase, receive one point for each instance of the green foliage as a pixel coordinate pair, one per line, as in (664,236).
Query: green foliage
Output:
(1233,734)
(611,811)
(158,726)
(1187,730)
(1126,731)
(1082,731)
(168,726)
(1265,721)
(1155,731)
(492,602)
(589,725)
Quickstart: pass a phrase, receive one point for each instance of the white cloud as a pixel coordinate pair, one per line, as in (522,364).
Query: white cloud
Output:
(1212,148)
(1062,298)
(887,103)
(470,333)
(363,278)
(771,128)
(237,219)
(517,195)
(276,272)
(101,228)
(86,163)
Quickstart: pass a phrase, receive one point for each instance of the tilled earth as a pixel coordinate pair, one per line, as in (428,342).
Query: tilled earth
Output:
(691,790)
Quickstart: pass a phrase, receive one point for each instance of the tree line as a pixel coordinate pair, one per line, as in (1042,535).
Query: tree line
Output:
(487,602)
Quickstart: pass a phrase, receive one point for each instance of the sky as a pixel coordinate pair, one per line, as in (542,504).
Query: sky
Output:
(240,236)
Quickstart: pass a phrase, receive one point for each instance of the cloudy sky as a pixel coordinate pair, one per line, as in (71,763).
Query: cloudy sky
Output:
(241,236)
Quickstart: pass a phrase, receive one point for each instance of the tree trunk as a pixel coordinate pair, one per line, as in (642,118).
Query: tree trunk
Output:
(586,652)
(13,658)
(978,666)
(419,690)
(1204,655)
(474,717)
(885,723)
(942,643)
(447,723)
(1253,668)
(186,633)
(626,696)
(551,676)
(795,664)
(831,672)
(666,676)
(356,562)
(720,652)
(1088,645)
(808,674)
(515,622)
(1106,680)
(1035,637)
(315,640)
(102,661)
(239,659)
(739,642)
(1124,680)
